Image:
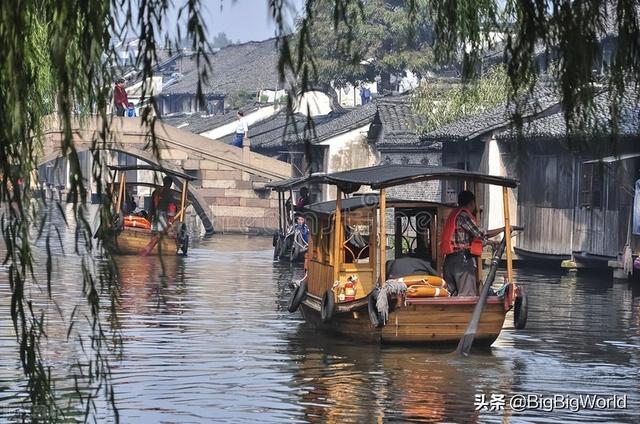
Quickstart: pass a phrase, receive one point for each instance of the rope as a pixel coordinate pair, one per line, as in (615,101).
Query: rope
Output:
(296,283)
(390,288)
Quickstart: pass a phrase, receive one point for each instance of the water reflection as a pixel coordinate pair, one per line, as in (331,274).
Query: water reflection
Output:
(207,338)
(150,285)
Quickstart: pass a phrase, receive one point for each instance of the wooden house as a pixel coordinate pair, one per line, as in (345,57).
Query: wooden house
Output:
(576,190)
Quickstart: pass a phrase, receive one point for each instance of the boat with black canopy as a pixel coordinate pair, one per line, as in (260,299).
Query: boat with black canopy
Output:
(133,228)
(374,265)
(289,242)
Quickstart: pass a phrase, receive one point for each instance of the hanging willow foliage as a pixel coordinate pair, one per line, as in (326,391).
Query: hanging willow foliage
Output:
(570,35)
(57,58)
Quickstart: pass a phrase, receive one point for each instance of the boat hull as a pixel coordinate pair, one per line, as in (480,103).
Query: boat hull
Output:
(438,321)
(536,258)
(131,241)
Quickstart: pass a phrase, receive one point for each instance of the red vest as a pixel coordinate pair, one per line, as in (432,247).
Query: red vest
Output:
(447,240)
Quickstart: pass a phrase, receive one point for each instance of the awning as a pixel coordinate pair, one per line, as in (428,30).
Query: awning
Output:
(286,185)
(383,176)
(363,201)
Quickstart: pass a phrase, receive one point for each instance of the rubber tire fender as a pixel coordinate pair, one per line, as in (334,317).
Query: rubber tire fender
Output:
(297,297)
(521,310)
(277,247)
(185,246)
(294,255)
(118,222)
(374,316)
(328,307)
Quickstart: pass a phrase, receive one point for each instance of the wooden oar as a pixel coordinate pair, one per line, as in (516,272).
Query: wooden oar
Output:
(149,247)
(464,346)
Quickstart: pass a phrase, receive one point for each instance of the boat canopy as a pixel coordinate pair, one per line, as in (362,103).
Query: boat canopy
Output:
(383,176)
(152,168)
(288,184)
(363,201)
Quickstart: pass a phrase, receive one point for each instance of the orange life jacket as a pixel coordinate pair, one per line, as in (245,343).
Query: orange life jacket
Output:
(447,240)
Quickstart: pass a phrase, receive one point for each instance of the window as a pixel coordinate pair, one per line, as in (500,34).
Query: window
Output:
(591,185)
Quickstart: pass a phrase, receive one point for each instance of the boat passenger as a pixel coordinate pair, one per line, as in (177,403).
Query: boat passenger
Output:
(161,199)
(128,204)
(302,227)
(462,242)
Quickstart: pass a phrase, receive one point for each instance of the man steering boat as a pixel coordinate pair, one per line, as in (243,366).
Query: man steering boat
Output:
(462,242)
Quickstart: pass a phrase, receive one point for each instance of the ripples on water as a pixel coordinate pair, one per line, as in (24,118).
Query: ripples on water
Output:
(210,340)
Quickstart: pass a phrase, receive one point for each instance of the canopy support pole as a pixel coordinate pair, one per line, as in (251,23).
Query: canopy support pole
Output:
(183,199)
(383,236)
(121,191)
(507,233)
(337,235)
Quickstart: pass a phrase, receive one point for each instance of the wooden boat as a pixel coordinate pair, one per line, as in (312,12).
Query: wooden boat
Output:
(544,259)
(349,247)
(133,233)
(288,244)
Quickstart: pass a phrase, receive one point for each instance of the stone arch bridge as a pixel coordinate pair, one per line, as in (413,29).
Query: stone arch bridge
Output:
(229,194)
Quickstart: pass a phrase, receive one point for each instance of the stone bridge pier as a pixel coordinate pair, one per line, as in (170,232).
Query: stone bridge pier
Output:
(229,194)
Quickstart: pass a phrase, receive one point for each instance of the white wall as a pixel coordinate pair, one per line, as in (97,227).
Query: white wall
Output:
(493,214)
(154,87)
(348,151)
(349,96)
(272,95)
(251,118)
(314,103)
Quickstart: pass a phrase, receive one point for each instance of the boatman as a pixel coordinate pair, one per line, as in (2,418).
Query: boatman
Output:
(462,242)
(161,199)
(304,198)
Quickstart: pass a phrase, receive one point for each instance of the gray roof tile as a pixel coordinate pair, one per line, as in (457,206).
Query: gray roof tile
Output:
(246,67)
(200,122)
(473,126)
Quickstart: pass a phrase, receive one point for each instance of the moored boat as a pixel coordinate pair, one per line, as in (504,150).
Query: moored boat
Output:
(351,290)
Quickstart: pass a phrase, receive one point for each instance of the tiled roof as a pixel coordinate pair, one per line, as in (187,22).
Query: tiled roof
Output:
(246,67)
(200,122)
(543,98)
(401,124)
(281,130)
(554,125)
(345,122)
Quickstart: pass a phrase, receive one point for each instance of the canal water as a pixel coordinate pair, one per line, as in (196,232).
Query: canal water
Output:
(209,340)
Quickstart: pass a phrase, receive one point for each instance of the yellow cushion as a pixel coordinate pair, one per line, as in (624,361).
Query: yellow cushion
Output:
(431,280)
(419,290)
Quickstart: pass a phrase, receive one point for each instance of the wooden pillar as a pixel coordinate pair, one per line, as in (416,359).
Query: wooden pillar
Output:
(183,200)
(383,236)
(121,191)
(337,236)
(507,233)
(281,210)
(289,216)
